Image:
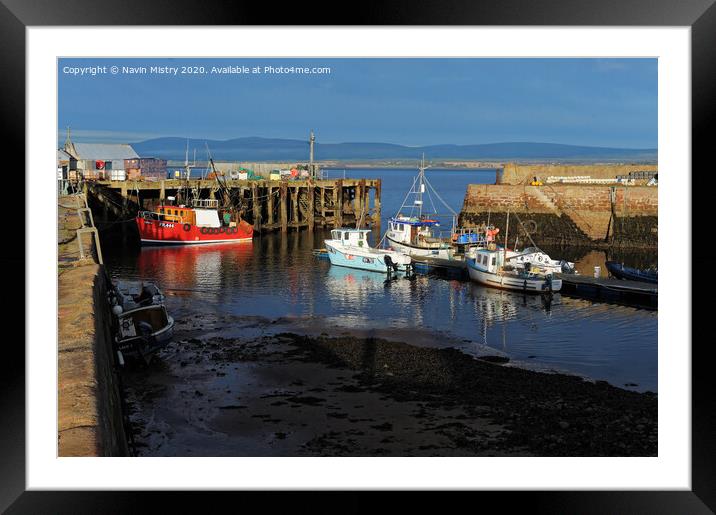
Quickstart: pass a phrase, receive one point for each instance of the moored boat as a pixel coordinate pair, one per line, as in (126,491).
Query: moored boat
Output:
(203,222)
(143,331)
(488,267)
(415,233)
(491,266)
(143,325)
(350,248)
(620,271)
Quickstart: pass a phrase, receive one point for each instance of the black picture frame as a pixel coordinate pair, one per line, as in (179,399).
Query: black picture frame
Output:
(700,15)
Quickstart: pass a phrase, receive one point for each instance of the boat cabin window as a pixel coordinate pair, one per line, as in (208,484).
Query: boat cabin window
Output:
(484,260)
(346,235)
(494,261)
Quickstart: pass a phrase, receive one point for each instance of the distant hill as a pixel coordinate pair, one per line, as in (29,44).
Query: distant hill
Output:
(267,149)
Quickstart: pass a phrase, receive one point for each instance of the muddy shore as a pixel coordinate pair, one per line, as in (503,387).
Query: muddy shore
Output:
(289,394)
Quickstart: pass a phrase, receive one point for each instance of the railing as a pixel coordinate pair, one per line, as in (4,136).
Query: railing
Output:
(160,217)
(86,228)
(206,203)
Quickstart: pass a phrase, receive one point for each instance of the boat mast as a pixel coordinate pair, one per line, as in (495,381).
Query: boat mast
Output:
(186,159)
(421,187)
(507,234)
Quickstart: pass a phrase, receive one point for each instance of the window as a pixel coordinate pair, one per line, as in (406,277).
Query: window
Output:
(345,235)
(367,260)
(493,261)
(400,227)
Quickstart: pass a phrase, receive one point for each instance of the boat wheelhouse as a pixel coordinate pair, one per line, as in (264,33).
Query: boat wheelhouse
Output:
(350,248)
(203,222)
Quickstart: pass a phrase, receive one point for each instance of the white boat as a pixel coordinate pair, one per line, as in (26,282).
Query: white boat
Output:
(414,233)
(491,266)
(488,267)
(539,261)
(350,248)
(413,236)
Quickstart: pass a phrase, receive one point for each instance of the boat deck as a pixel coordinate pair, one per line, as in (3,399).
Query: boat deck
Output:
(610,290)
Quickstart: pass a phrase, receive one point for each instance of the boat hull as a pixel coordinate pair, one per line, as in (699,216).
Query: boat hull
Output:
(507,282)
(413,250)
(131,342)
(374,262)
(633,274)
(156,232)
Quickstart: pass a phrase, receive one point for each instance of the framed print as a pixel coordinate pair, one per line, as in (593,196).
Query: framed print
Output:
(419,253)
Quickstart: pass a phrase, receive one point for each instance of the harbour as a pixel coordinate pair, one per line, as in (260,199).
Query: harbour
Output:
(295,295)
(305,297)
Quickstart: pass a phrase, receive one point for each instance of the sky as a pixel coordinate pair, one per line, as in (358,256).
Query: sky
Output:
(593,102)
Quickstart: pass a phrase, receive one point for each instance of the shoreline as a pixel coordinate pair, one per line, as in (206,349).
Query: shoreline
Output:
(290,394)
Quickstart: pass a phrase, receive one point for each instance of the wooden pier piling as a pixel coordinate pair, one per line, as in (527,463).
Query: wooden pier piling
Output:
(268,205)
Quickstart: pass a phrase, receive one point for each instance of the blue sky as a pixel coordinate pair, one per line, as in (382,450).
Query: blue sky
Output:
(598,102)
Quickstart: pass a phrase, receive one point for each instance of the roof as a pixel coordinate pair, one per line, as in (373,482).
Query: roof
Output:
(414,221)
(105,151)
(350,229)
(63,156)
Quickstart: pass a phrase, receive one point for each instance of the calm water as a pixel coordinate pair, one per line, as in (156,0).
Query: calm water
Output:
(278,276)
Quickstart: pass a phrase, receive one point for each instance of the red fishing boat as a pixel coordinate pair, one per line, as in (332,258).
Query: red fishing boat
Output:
(203,222)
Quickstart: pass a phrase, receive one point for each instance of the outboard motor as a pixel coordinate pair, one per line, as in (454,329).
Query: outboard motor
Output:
(389,263)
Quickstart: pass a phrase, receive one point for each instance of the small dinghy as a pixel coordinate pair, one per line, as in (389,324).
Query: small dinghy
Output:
(143,324)
(620,271)
(143,331)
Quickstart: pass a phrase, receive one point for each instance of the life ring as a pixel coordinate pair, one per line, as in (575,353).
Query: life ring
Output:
(187,227)
(530,226)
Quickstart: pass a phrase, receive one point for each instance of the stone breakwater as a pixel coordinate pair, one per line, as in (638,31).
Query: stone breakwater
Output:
(89,417)
(513,173)
(568,214)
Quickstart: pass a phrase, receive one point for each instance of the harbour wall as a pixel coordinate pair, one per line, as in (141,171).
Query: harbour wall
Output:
(90,419)
(513,173)
(567,214)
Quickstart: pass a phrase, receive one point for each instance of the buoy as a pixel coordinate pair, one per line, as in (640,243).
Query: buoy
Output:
(117,309)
